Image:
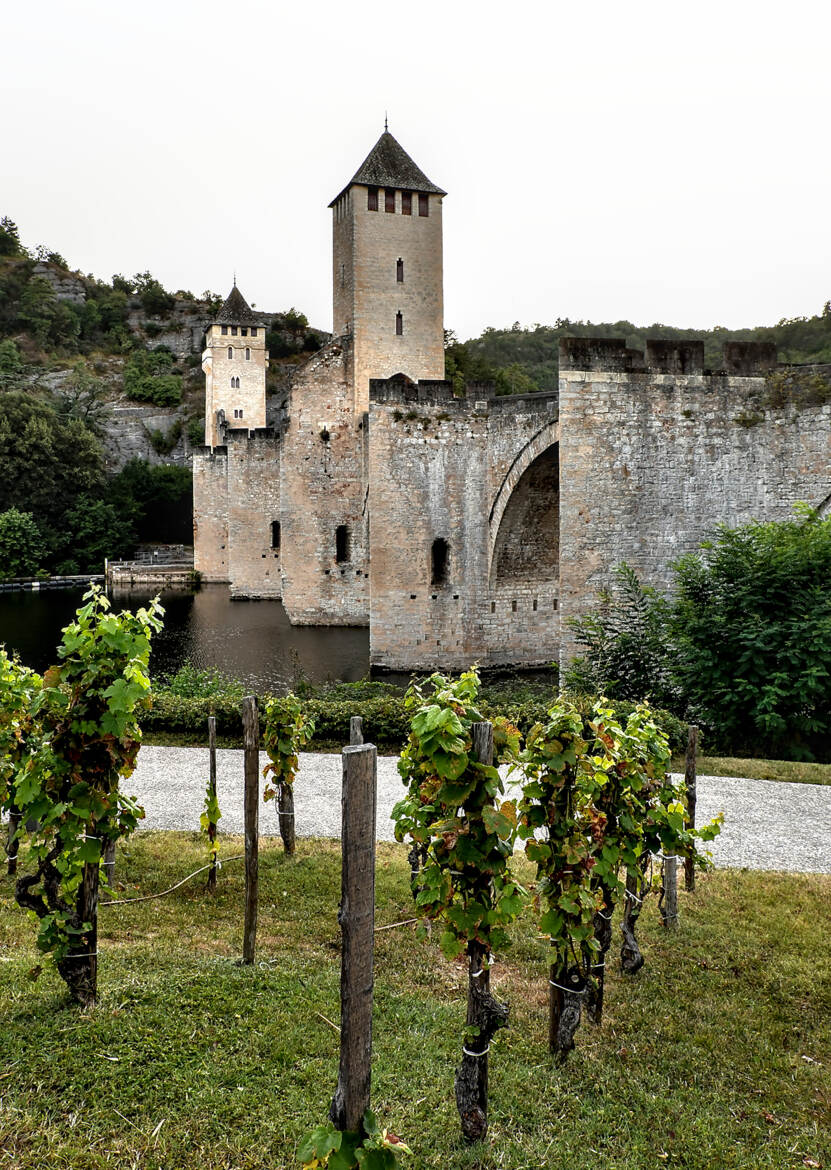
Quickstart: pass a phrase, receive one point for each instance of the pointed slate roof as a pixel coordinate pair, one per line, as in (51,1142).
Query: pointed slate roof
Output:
(389,165)
(236,310)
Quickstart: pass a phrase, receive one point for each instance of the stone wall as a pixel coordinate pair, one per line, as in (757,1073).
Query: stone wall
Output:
(436,465)
(323,477)
(253,485)
(210,513)
(656,451)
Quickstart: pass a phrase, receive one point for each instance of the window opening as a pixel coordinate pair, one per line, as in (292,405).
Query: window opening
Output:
(406,203)
(424,205)
(399,324)
(253,330)
(247,354)
(224,330)
(244,331)
(275,533)
(372,199)
(230,352)
(399,271)
(439,557)
(341,543)
(389,199)
(233,330)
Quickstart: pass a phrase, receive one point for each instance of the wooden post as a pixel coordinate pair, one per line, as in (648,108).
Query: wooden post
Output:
(212,786)
(109,862)
(285,815)
(690,776)
(357,922)
(251,745)
(668,901)
(356,735)
(12,845)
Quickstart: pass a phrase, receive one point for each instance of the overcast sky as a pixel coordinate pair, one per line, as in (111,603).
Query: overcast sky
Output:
(661,162)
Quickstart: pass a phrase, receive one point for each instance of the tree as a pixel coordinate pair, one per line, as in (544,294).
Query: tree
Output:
(9,238)
(96,530)
(83,397)
(154,297)
(22,547)
(752,630)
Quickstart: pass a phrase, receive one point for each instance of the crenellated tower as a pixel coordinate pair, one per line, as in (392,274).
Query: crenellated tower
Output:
(234,361)
(387,269)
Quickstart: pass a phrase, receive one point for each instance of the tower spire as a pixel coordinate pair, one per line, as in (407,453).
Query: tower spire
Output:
(386,124)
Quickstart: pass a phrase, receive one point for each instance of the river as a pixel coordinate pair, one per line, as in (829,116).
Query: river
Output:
(249,640)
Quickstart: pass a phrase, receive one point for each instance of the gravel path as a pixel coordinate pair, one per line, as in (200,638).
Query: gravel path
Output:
(768,824)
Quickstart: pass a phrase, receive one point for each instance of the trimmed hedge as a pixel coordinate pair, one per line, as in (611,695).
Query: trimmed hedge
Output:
(385,721)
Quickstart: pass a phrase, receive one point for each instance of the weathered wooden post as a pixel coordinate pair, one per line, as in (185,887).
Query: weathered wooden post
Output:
(212,787)
(251,746)
(668,901)
(690,778)
(12,844)
(109,862)
(356,734)
(357,922)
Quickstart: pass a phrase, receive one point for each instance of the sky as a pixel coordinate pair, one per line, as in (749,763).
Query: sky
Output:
(657,162)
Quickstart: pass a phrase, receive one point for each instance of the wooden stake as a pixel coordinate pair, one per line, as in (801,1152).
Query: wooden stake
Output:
(109,862)
(285,815)
(668,901)
(12,845)
(212,786)
(251,745)
(357,922)
(690,776)
(356,735)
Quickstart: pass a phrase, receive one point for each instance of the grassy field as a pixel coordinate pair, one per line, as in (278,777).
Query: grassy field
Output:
(791,770)
(718,1054)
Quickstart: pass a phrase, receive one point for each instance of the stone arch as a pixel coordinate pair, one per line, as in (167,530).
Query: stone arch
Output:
(527,544)
(545,437)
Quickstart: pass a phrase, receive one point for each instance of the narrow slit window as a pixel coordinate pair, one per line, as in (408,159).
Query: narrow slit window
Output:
(253,330)
(399,271)
(275,534)
(247,354)
(424,205)
(399,324)
(389,199)
(341,543)
(406,203)
(439,558)
(230,352)
(372,199)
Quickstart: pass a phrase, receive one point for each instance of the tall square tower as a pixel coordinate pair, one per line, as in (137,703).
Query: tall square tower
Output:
(387,269)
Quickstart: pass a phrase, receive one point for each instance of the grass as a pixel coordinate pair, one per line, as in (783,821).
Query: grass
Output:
(717,1055)
(794,771)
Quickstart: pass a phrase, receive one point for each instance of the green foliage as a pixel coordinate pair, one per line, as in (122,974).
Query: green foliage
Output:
(289,334)
(196,432)
(159,500)
(752,636)
(10,360)
(189,682)
(147,378)
(84,738)
(163,442)
(154,297)
(9,238)
(453,815)
(83,397)
(95,531)
(22,547)
(627,651)
(374,1149)
(286,729)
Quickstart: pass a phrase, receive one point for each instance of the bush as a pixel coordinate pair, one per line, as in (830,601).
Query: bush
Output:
(22,547)
(147,378)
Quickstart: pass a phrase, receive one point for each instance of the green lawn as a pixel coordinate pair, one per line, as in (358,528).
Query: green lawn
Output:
(792,770)
(717,1055)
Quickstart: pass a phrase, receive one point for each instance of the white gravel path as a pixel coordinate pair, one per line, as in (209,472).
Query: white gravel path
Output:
(767,824)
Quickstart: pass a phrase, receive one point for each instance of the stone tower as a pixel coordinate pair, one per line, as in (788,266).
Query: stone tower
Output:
(387,269)
(234,362)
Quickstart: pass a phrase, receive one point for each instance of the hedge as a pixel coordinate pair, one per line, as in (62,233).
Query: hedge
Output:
(385,721)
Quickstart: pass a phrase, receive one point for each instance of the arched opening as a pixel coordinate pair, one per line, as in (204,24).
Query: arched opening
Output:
(528,541)
(439,561)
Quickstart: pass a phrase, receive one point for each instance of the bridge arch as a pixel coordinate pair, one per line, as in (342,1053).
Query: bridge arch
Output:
(546,437)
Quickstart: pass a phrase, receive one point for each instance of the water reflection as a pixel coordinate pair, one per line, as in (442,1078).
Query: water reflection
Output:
(250,640)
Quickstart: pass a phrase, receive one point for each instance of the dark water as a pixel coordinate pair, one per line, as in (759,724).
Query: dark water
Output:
(249,640)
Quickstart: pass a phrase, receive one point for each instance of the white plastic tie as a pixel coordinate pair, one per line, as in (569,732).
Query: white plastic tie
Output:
(570,990)
(467,1051)
(633,897)
(608,916)
(83,955)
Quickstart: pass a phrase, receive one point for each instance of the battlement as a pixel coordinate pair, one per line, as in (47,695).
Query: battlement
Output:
(400,390)
(664,357)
